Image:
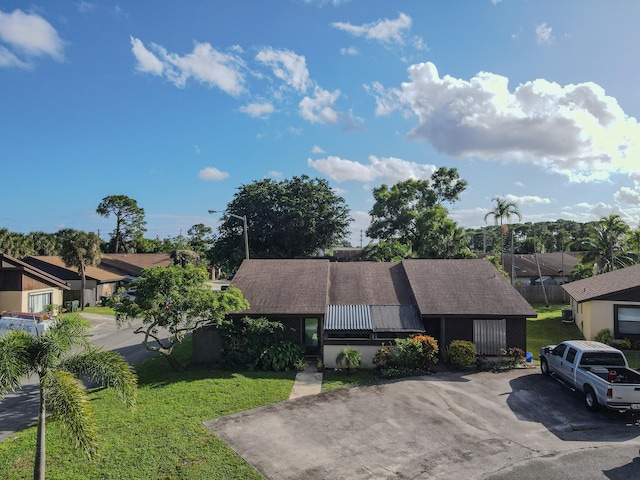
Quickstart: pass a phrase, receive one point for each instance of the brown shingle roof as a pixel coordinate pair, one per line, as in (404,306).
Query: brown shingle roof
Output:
(284,286)
(604,284)
(439,287)
(133,263)
(463,288)
(369,283)
(55,265)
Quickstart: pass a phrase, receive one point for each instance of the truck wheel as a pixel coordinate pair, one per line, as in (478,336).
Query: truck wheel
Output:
(590,399)
(544,366)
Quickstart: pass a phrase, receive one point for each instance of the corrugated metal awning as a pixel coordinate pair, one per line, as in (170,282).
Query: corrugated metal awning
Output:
(376,318)
(348,317)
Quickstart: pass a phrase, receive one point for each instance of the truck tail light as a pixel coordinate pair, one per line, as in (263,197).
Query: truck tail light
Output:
(609,393)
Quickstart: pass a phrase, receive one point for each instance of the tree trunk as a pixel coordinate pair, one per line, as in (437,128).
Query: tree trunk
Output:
(83,285)
(39,464)
(176,365)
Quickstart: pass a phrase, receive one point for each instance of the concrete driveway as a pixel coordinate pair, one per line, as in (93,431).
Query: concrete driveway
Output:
(517,424)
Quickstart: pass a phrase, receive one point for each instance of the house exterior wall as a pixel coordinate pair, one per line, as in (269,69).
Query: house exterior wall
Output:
(596,315)
(366,349)
(449,329)
(11,301)
(19,301)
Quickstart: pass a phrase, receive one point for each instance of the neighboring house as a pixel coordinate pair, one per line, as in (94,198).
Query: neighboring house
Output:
(609,300)
(24,288)
(99,281)
(114,271)
(326,306)
(555,267)
(132,264)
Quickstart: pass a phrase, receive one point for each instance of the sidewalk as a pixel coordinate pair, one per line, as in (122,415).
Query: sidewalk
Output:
(308,382)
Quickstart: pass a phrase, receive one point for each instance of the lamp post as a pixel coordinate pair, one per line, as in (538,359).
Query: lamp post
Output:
(246,232)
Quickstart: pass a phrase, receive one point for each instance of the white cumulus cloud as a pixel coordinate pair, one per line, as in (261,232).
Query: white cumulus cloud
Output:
(319,108)
(573,130)
(392,169)
(204,64)
(258,110)
(287,66)
(26,36)
(527,199)
(385,31)
(212,173)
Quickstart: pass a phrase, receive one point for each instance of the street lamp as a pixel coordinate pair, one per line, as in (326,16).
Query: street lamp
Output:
(246,232)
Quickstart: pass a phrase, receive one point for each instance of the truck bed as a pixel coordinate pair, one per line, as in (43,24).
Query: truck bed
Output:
(615,375)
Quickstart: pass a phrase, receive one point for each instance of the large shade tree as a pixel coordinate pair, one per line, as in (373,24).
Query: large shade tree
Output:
(59,357)
(130,223)
(285,219)
(412,213)
(172,302)
(79,250)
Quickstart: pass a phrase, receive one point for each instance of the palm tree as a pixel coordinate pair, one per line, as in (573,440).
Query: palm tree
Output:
(59,356)
(634,243)
(504,210)
(80,249)
(606,246)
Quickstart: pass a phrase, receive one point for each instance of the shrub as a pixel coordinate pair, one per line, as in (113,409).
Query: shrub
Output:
(461,353)
(280,357)
(516,356)
(604,336)
(348,358)
(624,344)
(411,356)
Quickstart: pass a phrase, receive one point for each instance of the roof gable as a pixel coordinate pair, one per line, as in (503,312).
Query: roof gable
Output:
(605,284)
(284,286)
(463,288)
(56,266)
(10,263)
(369,283)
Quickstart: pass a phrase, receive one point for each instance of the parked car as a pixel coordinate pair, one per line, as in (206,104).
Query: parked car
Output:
(129,294)
(34,324)
(599,371)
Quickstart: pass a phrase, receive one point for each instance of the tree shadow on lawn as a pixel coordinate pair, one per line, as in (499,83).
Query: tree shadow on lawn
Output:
(540,399)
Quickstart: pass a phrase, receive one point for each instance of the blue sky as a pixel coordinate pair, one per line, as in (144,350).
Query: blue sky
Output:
(177,104)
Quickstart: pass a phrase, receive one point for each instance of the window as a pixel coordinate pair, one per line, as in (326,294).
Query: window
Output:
(559,350)
(627,320)
(38,302)
(571,355)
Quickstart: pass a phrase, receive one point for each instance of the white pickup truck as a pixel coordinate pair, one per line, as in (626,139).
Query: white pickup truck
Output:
(35,324)
(599,371)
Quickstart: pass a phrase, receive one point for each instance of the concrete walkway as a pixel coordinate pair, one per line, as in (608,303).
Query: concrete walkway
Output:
(308,382)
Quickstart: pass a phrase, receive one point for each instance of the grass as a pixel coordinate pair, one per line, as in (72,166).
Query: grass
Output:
(163,438)
(336,379)
(98,309)
(548,329)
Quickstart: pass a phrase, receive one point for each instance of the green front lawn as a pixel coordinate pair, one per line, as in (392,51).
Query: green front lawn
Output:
(164,436)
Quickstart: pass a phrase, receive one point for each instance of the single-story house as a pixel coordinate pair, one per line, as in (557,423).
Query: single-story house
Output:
(609,300)
(99,281)
(555,267)
(114,271)
(132,264)
(326,306)
(25,288)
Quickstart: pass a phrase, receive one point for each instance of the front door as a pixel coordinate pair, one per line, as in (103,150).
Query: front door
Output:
(311,336)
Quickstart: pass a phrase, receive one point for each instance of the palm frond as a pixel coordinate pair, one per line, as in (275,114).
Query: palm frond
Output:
(14,360)
(69,331)
(66,400)
(108,368)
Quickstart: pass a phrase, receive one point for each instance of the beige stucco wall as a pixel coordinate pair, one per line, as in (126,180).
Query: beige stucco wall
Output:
(366,351)
(11,301)
(595,315)
(19,301)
